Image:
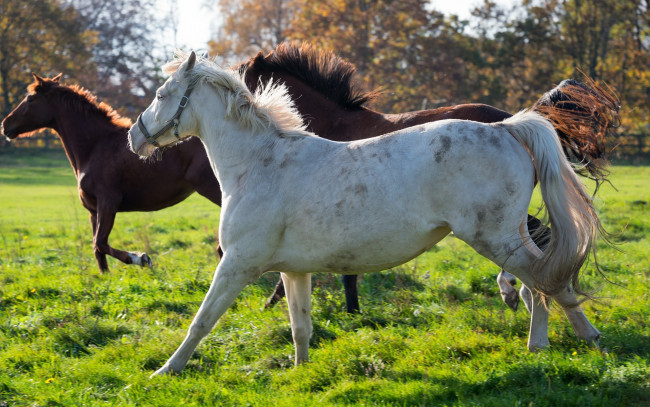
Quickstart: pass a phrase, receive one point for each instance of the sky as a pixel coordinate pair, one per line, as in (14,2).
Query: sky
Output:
(195,21)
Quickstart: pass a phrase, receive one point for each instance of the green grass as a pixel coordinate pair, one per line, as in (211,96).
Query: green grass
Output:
(432,332)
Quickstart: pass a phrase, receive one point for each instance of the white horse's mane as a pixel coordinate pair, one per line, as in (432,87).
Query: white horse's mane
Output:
(270,107)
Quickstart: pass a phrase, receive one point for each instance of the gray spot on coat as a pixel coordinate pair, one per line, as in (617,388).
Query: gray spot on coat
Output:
(445,146)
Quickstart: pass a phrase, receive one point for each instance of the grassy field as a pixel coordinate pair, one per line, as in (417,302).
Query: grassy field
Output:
(431,332)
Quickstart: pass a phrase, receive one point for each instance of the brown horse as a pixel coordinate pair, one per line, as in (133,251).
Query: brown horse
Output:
(110,178)
(322,86)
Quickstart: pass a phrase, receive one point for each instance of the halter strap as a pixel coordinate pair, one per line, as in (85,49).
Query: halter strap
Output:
(173,122)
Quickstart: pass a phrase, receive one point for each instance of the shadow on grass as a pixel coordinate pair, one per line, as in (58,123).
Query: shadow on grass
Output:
(540,385)
(177,307)
(625,342)
(78,340)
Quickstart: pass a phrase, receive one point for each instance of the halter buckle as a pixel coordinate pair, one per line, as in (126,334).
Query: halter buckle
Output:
(184,101)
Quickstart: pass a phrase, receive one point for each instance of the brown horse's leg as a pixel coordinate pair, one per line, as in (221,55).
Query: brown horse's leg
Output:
(105,221)
(101,257)
(506,282)
(278,294)
(540,235)
(351,293)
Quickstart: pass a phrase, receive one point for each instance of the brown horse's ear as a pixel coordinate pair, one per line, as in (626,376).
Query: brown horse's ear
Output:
(56,78)
(37,78)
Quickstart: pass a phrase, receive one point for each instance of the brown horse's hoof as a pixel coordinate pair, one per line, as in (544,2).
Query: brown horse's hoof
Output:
(509,295)
(145,260)
(274,299)
(511,299)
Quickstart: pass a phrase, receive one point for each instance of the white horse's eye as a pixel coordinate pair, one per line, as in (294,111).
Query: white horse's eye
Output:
(159,96)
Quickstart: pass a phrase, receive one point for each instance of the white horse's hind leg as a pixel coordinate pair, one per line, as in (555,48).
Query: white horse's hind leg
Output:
(227,283)
(538,336)
(298,290)
(567,300)
(519,264)
(581,325)
(505,248)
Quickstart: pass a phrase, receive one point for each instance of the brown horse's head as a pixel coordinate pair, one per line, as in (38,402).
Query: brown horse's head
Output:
(34,112)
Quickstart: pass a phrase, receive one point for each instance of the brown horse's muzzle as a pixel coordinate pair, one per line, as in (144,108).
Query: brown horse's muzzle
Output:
(7,134)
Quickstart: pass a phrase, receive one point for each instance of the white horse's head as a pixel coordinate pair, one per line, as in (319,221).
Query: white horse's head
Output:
(182,105)
(163,122)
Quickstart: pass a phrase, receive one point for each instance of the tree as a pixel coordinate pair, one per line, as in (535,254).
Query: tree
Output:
(518,53)
(41,36)
(127,52)
(251,25)
(506,57)
(403,47)
(610,41)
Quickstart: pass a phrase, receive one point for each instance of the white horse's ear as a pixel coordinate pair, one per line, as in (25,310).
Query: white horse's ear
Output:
(190,62)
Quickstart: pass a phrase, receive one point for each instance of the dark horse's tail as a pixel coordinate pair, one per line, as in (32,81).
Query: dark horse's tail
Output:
(583,114)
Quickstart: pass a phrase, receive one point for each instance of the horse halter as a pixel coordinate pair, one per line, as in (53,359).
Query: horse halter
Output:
(173,122)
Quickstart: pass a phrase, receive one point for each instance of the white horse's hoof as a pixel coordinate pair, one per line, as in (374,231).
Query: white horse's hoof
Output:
(165,370)
(538,346)
(593,339)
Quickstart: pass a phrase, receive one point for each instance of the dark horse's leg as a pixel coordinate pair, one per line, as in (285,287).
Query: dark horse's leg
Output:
(351,294)
(541,236)
(103,221)
(278,294)
(101,257)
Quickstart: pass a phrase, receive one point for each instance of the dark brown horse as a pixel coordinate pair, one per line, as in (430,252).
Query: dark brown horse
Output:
(322,86)
(110,178)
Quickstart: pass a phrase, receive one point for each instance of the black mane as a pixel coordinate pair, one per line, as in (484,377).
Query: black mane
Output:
(322,70)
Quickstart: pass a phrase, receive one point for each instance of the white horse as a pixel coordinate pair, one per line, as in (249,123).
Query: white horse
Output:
(300,204)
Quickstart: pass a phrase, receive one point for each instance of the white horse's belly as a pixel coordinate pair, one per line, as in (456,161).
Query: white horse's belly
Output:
(337,252)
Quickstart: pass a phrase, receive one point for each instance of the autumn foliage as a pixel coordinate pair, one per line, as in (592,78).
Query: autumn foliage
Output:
(420,58)
(417,56)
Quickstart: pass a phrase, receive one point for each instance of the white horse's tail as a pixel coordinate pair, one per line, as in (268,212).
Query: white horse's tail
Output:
(573,220)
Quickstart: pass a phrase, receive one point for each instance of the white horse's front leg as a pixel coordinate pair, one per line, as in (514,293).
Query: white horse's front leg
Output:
(229,280)
(538,335)
(298,290)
